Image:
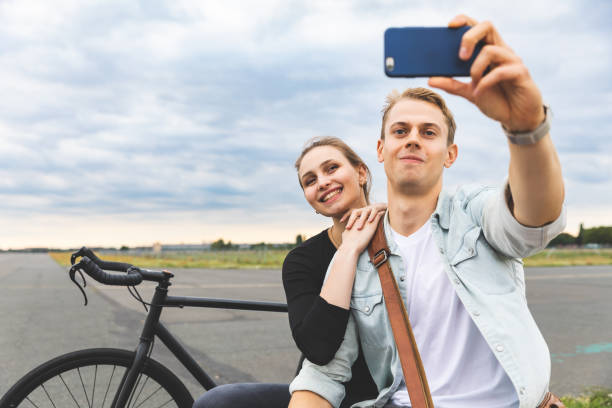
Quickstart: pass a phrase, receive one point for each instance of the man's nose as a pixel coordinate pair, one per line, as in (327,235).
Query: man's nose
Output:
(413,137)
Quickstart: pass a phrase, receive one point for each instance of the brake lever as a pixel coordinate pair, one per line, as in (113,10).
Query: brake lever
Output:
(81,252)
(73,270)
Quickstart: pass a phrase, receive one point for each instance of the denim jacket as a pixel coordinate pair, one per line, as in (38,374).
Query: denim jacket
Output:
(481,244)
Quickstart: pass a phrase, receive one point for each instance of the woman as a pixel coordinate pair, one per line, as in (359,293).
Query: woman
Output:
(336,183)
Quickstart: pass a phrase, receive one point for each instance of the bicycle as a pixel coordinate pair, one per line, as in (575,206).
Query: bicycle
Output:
(122,378)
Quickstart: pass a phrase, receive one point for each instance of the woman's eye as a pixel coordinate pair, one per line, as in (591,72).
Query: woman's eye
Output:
(309,181)
(333,167)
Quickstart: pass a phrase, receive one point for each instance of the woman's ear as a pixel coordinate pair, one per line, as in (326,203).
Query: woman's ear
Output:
(363,174)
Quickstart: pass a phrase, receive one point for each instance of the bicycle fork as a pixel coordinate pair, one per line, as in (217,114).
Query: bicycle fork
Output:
(130,377)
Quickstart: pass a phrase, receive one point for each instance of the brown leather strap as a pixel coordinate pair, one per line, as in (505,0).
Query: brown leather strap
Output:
(551,401)
(412,366)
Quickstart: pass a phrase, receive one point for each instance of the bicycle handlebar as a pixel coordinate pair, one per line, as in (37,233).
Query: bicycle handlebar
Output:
(93,266)
(110,266)
(133,277)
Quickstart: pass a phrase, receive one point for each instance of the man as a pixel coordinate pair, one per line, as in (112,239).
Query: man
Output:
(456,257)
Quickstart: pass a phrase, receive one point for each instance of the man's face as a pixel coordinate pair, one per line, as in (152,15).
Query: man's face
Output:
(415,149)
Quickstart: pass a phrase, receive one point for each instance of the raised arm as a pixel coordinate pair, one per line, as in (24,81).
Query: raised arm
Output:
(508,94)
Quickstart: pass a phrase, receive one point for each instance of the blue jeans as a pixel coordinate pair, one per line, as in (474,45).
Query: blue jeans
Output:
(251,395)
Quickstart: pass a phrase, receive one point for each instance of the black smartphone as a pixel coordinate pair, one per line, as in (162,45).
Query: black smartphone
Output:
(426,52)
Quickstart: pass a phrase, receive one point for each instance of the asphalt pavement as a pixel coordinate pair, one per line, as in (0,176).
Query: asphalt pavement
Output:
(42,316)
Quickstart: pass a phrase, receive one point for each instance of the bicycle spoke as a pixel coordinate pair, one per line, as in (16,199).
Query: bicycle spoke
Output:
(165,403)
(134,390)
(30,401)
(69,392)
(108,387)
(68,377)
(48,396)
(150,395)
(141,388)
(93,388)
(83,385)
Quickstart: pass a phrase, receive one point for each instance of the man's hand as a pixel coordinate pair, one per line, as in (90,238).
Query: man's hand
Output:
(506,93)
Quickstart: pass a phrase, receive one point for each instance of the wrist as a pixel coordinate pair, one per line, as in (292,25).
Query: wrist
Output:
(348,250)
(530,136)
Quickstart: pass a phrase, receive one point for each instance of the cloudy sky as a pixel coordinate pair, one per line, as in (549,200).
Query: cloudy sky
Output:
(130,122)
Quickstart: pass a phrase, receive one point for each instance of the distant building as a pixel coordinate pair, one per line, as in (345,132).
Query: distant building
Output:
(157,248)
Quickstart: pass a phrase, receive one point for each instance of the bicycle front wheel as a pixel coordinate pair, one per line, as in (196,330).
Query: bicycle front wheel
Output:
(91,378)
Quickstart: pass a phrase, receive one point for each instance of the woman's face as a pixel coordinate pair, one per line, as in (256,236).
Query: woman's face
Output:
(331,184)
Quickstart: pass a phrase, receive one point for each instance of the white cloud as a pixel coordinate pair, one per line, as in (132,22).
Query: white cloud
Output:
(121,108)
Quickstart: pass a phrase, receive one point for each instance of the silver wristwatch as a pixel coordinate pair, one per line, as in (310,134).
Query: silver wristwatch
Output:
(527,138)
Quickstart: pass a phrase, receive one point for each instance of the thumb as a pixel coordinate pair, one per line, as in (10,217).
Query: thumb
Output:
(451,86)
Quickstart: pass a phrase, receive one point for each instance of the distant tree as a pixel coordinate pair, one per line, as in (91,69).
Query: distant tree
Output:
(218,245)
(580,237)
(124,248)
(299,239)
(563,239)
(598,235)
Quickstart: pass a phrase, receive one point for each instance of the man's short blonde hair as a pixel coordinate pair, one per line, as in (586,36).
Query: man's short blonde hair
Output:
(421,94)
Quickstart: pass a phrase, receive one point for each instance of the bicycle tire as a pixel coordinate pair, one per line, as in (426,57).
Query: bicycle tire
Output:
(47,385)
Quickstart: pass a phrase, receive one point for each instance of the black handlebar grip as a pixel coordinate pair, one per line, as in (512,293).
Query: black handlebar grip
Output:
(132,278)
(108,265)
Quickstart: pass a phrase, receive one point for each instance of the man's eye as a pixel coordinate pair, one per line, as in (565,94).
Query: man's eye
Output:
(400,131)
(430,132)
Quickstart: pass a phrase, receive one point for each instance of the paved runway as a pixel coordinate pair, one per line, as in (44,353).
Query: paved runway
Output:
(42,315)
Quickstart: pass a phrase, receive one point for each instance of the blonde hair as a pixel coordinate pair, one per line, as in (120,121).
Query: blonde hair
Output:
(345,149)
(421,94)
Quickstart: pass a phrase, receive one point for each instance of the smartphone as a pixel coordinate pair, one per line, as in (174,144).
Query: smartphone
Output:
(426,52)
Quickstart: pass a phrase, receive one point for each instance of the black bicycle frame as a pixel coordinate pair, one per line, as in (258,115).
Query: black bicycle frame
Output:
(153,327)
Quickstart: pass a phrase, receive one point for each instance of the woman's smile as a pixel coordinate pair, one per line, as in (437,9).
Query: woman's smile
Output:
(331,195)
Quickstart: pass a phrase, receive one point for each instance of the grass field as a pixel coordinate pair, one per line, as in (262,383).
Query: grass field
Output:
(234,259)
(571,257)
(273,258)
(596,398)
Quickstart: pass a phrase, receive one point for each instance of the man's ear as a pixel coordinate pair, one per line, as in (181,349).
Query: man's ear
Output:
(451,155)
(379,148)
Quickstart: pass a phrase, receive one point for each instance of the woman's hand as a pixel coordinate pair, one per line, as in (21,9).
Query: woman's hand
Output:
(356,240)
(360,216)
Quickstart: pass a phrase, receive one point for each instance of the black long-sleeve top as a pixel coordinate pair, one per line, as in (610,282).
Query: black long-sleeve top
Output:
(318,327)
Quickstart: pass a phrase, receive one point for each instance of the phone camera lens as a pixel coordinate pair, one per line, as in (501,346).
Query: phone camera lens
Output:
(389,63)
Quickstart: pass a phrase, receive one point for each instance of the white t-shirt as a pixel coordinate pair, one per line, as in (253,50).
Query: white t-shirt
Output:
(461,369)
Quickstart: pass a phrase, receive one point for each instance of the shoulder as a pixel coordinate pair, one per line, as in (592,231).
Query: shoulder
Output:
(313,244)
(467,200)
(310,252)
(469,193)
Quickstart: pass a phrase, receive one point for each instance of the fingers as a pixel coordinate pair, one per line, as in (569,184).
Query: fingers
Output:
(346,215)
(484,32)
(461,20)
(500,74)
(452,86)
(373,214)
(491,56)
(364,216)
(353,217)
(359,217)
